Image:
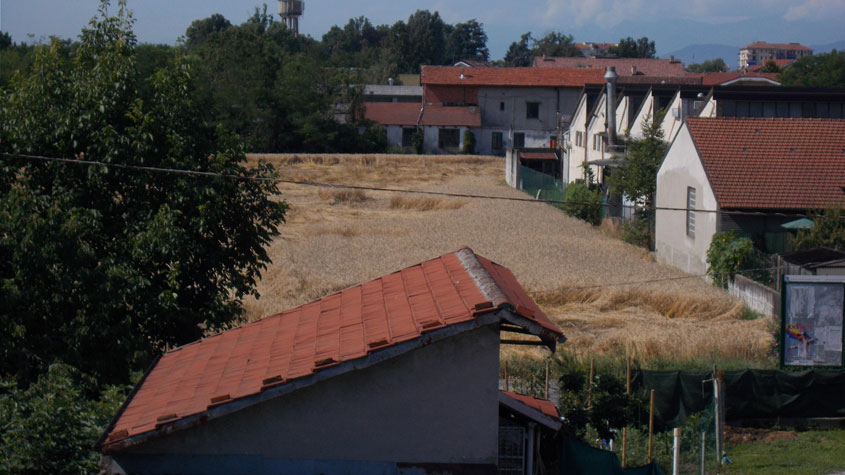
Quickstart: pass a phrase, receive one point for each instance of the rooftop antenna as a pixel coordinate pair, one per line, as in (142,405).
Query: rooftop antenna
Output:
(290,11)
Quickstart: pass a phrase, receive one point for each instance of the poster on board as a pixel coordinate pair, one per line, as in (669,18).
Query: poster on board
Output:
(812,323)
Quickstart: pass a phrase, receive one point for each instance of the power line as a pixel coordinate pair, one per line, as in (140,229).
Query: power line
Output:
(396,190)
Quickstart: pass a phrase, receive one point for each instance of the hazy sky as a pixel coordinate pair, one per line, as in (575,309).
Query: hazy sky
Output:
(673,24)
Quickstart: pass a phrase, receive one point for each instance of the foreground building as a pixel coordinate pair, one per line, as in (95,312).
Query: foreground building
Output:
(750,176)
(397,375)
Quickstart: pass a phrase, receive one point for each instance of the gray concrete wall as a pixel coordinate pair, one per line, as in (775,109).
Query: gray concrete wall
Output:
(756,296)
(436,404)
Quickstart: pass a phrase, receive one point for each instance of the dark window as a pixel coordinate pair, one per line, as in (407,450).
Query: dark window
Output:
(755,109)
(501,106)
(519,140)
(783,109)
(497,140)
(532,110)
(449,138)
(690,212)
(408,136)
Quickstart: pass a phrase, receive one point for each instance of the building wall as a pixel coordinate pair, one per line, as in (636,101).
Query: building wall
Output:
(709,109)
(646,110)
(682,168)
(456,95)
(576,153)
(436,404)
(431,141)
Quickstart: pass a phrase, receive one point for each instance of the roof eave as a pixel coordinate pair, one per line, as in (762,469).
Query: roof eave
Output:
(529,412)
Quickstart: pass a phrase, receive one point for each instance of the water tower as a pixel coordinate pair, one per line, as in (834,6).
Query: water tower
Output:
(290,11)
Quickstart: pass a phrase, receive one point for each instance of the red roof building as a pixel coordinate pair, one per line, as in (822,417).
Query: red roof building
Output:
(393,113)
(510,77)
(624,66)
(759,52)
(748,175)
(413,318)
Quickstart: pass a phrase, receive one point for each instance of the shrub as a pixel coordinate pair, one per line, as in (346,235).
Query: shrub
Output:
(418,140)
(726,255)
(468,147)
(583,203)
(640,231)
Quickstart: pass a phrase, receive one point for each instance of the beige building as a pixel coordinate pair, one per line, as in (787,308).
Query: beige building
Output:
(758,53)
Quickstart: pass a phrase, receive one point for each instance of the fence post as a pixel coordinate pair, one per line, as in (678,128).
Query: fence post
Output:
(506,377)
(590,385)
(651,427)
(676,460)
(703,449)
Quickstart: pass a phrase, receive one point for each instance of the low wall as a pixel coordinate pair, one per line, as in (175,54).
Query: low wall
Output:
(756,296)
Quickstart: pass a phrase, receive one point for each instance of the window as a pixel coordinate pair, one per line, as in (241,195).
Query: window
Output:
(497,140)
(408,136)
(579,138)
(519,140)
(532,110)
(501,106)
(449,138)
(690,212)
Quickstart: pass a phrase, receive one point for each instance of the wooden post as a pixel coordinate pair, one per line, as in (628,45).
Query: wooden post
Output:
(590,386)
(547,379)
(676,459)
(651,428)
(507,382)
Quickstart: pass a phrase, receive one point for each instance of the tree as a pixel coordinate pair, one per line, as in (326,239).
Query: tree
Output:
(555,44)
(5,40)
(201,30)
(468,146)
(467,41)
(712,66)
(636,178)
(820,70)
(102,267)
(770,67)
(726,255)
(828,231)
(519,53)
(426,39)
(631,48)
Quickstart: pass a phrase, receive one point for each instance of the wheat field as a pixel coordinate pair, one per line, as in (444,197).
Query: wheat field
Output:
(335,238)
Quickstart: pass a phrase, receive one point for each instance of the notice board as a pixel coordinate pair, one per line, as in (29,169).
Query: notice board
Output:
(812,321)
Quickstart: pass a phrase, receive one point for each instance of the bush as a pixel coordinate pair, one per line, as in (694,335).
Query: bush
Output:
(52,426)
(468,147)
(726,255)
(583,203)
(418,141)
(640,231)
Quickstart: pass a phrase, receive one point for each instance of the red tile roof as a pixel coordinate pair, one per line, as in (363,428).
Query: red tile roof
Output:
(550,155)
(451,116)
(545,406)
(517,77)
(243,363)
(624,66)
(773,163)
(781,63)
(764,45)
(715,79)
(393,113)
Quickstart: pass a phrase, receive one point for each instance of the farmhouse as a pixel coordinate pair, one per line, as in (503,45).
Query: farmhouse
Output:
(396,374)
(730,169)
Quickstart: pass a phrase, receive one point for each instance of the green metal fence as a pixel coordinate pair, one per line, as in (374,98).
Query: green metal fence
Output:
(539,185)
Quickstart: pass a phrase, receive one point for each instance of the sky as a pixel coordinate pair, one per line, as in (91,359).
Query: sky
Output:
(673,24)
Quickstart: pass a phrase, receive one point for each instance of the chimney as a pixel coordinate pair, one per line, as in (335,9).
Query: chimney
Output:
(610,76)
(633,70)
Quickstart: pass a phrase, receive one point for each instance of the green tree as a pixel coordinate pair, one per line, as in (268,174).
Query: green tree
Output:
(200,30)
(819,70)
(52,426)
(712,66)
(582,202)
(467,41)
(726,255)
(520,53)
(555,44)
(5,40)
(631,48)
(828,231)
(636,177)
(103,267)
(468,146)
(426,39)
(770,67)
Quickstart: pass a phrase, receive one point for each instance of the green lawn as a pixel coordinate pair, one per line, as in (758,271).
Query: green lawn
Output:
(813,452)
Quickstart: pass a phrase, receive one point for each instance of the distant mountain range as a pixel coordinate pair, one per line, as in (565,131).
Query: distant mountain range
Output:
(730,54)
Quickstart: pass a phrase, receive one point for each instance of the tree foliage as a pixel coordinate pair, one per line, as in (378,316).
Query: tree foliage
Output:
(467,41)
(726,255)
(819,70)
(102,267)
(712,66)
(828,231)
(770,67)
(636,178)
(5,40)
(582,202)
(556,44)
(52,426)
(631,48)
(520,53)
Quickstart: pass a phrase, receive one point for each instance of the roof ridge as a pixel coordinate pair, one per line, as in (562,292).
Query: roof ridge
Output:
(485,282)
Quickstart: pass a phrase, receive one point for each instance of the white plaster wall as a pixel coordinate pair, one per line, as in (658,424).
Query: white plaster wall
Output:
(596,124)
(680,169)
(709,109)
(436,404)
(645,111)
(577,154)
(671,124)
(394,135)
(622,123)
(431,141)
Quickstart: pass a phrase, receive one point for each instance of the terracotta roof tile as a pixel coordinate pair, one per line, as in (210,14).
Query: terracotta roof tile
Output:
(550,155)
(543,405)
(455,116)
(773,163)
(715,79)
(393,113)
(778,62)
(338,328)
(624,66)
(519,77)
